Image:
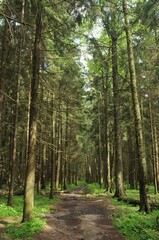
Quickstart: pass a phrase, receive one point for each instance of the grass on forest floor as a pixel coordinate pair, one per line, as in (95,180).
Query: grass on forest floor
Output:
(11,217)
(133,224)
(134,194)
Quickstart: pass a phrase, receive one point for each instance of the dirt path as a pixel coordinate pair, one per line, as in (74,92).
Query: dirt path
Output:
(79,218)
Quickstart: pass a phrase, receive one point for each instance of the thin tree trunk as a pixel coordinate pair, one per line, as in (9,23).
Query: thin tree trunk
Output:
(52,152)
(132,168)
(99,148)
(59,148)
(105,129)
(66,154)
(3,64)
(156,157)
(118,147)
(109,189)
(28,120)
(106,137)
(144,195)
(154,147)
(43,168)
(16,111)
(39,171)
(30,174)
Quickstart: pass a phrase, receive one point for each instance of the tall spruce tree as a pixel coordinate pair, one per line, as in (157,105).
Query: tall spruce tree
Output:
(144,194)
(31,161)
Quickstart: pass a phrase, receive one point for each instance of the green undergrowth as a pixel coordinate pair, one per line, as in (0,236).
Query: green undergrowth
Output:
(12,217)
(26,230)
(133,224)
(134,195)
(71,186)
(8,211)
(95,189)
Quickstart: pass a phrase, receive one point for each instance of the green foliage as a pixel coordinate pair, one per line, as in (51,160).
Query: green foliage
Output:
(29,228)
(71,186)
(134,224)
(16,210)
(95,189)
(26,230)
(133,193)
(7,210)
(42,205)
(81,183)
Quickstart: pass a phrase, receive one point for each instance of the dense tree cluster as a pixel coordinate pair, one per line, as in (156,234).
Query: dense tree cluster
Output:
(79,84)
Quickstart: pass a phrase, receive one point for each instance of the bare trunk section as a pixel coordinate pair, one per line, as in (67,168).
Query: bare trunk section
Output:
(155,151)
(3,64)
(52,152)
(39,170)
(16,112)
(144,195)
(100,170)
(109,182)
(118,147)
(132,166)
(28,120)
(43,167)
(30,175)
(59,147)
(66,151)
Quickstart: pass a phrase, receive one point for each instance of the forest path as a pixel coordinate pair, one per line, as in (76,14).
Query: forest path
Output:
(80,218)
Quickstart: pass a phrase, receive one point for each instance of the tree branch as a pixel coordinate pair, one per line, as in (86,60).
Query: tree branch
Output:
(14,19)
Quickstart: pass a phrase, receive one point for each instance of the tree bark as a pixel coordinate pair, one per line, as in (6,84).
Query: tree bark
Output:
(144,193)
(3,64)
(154,143)
(66,150)
(100,168)
(117,126)
(30,174)
(16,112)
(52,152)
(59,147)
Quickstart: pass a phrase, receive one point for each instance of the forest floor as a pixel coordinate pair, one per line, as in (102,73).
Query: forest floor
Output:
(77,217)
